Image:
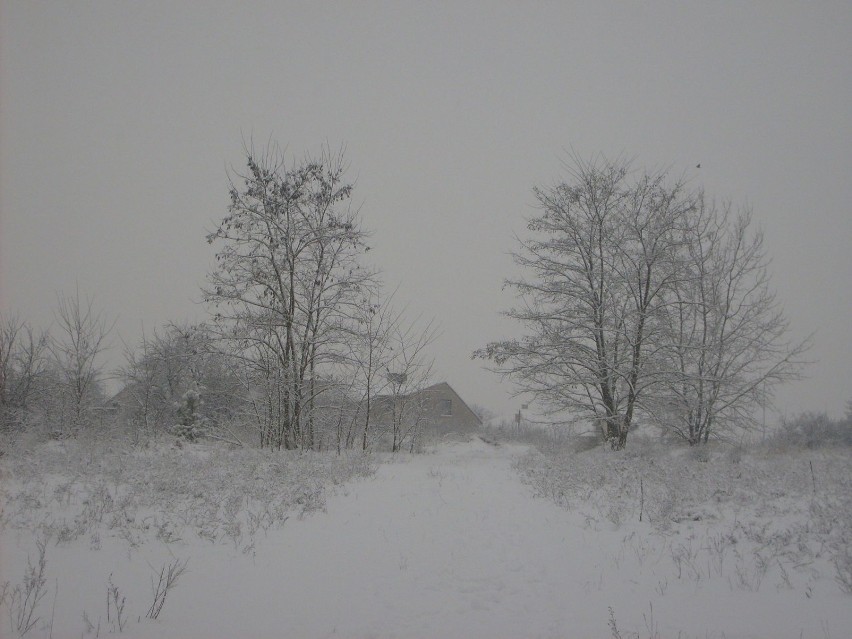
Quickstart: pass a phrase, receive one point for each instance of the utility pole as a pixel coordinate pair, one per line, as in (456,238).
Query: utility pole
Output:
(518,417)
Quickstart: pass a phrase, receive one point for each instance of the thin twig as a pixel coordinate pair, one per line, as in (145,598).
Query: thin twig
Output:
(813,477)
(169,575)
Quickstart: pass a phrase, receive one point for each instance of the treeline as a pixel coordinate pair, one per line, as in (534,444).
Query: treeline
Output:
(641,298)
(52,382)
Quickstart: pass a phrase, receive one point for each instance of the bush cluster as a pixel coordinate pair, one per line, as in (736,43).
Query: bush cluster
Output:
(815,430)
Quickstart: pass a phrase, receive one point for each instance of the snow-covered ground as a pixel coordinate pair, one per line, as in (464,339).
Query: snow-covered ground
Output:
(462,541)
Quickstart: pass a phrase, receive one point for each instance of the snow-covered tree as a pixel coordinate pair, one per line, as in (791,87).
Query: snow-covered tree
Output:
(596,265)
(81,337)
(23,361)
(639,296)
(191,423)
(287,274)
(725,336)
(168,363)
(408,371)
(368,352)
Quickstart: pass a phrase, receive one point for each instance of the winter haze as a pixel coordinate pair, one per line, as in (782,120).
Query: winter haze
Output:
(120,121)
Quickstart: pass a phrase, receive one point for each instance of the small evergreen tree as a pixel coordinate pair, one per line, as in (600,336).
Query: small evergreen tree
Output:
(190,422)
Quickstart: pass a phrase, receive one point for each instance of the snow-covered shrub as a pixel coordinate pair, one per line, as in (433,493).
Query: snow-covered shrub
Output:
(526,433)
(191,424)
(814,430)
(773,515)
(78,488)
(700,454)
(735,454)
(24,598)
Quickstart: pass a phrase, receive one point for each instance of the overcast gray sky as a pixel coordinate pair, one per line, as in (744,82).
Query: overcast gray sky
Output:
(118,121)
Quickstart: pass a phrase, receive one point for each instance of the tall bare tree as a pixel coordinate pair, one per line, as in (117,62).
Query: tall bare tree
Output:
(287,269)
(142,395)
(82,334)
(375,326)
(725,334)
(598,263)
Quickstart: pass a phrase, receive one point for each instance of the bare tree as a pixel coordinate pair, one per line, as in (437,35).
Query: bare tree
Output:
(485,415)
(287,271)
(164,367)
(725,333)
(22,365)
(601,256)
(374,325)
(82,334)
(143,390)
(408,371)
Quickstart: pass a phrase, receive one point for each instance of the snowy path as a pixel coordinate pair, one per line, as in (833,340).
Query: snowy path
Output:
(440,545)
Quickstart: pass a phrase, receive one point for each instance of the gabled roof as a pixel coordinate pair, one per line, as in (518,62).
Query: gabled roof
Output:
(453,391)
(434,387)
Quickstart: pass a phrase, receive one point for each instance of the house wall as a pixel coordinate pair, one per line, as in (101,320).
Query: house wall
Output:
(430,406)
(439,398)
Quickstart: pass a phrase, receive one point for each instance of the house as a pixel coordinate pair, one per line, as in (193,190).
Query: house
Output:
(438,407)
